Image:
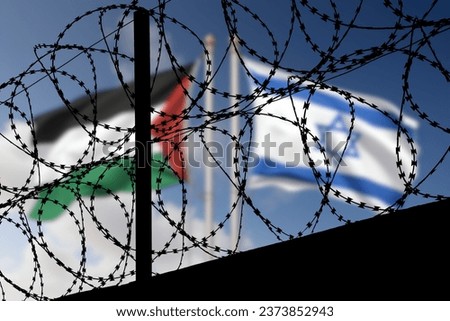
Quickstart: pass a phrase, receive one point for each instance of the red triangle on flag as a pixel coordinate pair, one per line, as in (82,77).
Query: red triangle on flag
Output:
(167,127)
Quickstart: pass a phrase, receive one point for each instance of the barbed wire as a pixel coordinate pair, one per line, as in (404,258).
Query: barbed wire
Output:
(105,157)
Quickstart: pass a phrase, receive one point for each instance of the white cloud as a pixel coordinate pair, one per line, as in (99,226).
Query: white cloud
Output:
(102,256)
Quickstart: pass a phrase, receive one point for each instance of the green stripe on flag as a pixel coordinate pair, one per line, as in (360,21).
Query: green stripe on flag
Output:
(100,180)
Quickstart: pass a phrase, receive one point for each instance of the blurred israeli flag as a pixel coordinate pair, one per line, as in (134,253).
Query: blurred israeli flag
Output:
(324,137)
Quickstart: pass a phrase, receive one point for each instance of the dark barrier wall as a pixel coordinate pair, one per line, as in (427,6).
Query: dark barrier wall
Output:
(400,256)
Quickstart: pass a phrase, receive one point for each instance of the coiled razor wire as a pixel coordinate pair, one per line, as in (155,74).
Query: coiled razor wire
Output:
(406,35)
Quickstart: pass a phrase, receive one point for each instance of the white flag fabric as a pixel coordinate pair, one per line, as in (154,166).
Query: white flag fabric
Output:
(307,139)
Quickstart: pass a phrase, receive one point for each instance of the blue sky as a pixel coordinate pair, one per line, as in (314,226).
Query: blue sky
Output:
(26,24)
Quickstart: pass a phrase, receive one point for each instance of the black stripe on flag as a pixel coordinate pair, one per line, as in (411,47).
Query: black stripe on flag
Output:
(51,125)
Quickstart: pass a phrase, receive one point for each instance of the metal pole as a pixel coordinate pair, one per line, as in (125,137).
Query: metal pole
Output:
(234,90)
(209,184)
(143,146)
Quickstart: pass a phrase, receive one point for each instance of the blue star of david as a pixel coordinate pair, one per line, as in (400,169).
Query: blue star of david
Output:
(338,125)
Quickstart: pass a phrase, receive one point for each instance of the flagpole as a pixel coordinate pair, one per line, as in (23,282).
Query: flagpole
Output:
(210,42)
(142,146)
(234,129)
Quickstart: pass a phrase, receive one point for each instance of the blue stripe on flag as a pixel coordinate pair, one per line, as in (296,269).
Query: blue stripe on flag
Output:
(359,185)
(337,103)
